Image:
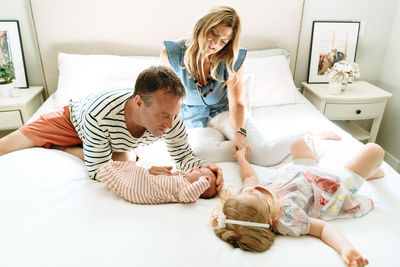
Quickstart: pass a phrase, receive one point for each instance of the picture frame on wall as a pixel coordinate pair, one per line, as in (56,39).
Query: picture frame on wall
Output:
(11,51)
(331,42)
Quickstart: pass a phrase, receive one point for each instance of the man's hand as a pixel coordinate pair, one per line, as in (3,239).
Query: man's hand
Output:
(353,258)
(216,169)
(240,142)
(160,170)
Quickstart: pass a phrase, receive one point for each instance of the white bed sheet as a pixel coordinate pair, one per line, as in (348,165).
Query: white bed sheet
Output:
(52,214)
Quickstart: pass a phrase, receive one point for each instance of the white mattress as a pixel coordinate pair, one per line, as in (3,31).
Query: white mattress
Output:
(52,214)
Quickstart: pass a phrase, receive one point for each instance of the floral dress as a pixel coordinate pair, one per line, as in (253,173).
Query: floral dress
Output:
(310,191)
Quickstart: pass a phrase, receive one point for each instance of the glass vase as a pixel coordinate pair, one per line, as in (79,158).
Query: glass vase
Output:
(334,88)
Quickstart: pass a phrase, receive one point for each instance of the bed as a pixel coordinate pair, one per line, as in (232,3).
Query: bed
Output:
(52,214)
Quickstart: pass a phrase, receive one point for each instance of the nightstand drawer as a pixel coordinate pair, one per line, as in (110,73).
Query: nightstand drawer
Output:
(354,111)
(10,120)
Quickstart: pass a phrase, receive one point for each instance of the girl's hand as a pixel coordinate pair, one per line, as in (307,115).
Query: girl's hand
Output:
(353,258)
(240,143)
(160,170)
(240,154)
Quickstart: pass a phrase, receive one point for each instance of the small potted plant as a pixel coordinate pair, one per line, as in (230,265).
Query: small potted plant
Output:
(340,75)
(7,75)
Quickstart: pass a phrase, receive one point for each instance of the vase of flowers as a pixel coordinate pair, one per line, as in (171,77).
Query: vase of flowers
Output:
(340,75)
(7,76)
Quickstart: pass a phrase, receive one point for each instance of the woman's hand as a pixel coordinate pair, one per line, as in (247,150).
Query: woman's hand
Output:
(216,169)
(160,170)
(240,143)
(353,258)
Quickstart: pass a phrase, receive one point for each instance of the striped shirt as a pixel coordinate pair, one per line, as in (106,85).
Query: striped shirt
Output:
(100,123)
(137,185)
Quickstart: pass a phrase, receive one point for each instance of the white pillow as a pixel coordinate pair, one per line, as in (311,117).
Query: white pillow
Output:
(272,82)
(80,75)
(269,53)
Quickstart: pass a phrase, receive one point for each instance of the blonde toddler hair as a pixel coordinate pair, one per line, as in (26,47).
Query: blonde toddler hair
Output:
(197,44)
(249,238)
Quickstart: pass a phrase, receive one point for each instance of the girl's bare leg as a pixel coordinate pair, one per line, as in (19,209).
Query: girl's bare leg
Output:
(301,150)
(368,161)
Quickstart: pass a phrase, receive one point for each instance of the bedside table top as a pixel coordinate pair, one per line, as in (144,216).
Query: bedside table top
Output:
(26,95)
(356,91)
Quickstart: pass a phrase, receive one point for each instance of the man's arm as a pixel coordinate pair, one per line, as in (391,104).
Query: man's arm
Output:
(179,148)
(96,147)
(181,152)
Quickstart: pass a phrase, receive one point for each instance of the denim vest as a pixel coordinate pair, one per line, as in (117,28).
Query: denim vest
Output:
(198,110)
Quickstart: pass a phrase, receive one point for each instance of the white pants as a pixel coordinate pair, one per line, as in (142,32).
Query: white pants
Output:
(211,143)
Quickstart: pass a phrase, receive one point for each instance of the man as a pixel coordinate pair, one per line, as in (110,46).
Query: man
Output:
(110,123)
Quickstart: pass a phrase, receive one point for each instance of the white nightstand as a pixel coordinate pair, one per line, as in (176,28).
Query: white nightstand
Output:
(361,101)
(14,112)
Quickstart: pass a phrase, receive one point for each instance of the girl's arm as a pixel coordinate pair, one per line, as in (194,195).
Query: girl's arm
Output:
(249,176)
(335,238)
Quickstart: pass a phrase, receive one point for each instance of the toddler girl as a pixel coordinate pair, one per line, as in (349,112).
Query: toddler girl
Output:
(299,200)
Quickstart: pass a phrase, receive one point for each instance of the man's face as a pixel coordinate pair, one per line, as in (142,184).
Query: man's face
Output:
(159,115)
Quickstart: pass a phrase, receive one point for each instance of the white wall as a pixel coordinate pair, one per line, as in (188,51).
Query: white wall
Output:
(18,10)
(377,54)
(389,79)
(378,17)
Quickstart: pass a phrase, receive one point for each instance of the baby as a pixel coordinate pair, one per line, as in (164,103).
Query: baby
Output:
(300,199)
(137,185)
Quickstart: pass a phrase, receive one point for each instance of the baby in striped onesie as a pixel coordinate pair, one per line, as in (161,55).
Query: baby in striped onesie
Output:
(137,185)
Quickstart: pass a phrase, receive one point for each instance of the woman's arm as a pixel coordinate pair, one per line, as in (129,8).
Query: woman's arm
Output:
(236,102)
(249,176)
(237,111)
(164,57)
(335,238)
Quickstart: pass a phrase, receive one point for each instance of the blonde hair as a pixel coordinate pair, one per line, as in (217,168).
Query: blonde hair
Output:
(196,45)
(248,238)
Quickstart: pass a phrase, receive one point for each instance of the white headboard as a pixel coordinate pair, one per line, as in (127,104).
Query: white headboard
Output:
(137,27)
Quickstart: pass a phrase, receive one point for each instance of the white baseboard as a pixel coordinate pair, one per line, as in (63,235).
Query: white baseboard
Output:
(392,161)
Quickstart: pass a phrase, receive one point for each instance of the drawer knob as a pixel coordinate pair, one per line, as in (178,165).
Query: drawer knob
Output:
(358,111)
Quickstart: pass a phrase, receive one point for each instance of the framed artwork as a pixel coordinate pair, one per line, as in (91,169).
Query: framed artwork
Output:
(331,42)
(11,50)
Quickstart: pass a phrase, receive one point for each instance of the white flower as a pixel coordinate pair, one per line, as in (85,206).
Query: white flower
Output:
(343,72)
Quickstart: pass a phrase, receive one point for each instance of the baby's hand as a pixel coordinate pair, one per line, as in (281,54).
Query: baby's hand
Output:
(240,154)
(160,170)
(353,258)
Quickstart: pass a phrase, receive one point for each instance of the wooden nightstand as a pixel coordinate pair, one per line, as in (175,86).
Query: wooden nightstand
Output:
(361,101)
(14,112)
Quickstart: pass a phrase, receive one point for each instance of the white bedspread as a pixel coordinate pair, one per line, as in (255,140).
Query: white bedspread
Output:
(52,214)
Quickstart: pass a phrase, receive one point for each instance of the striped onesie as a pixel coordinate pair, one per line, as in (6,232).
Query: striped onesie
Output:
(137,185)
(100,123)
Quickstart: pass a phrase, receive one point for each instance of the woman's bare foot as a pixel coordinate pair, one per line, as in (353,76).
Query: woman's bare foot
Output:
(326,135)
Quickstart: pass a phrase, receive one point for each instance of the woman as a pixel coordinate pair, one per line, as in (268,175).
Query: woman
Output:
(210,65)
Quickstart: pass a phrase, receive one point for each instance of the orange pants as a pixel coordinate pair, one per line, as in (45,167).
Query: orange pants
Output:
(54,128)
